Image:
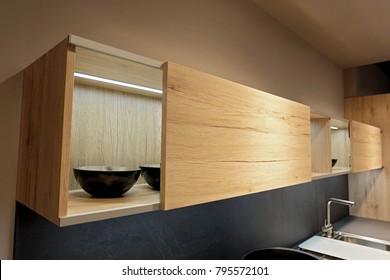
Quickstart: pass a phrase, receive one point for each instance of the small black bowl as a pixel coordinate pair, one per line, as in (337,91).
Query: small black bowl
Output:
(334,160)
(151,174)
(106,181)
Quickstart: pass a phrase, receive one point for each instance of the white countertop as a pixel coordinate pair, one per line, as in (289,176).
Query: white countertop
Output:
(342,249)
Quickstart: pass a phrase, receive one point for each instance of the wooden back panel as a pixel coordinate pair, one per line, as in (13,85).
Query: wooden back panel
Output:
(321,145)
(341,147)
(222,139)
(341,144)
(45,123)
(111,127)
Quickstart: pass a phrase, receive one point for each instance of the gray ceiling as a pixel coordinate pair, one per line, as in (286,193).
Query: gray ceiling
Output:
(349,32)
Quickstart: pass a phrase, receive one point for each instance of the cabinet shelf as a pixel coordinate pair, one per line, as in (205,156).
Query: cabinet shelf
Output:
(336,171)
(83,208)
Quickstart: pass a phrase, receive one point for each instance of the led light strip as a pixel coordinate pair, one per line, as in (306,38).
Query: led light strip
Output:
(334,128)
(118,83)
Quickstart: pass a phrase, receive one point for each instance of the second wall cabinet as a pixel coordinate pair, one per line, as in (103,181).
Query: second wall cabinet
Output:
(340,146)
(215,139)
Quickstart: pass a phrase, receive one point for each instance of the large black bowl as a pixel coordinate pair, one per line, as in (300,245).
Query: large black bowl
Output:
(151,174)
(106,181)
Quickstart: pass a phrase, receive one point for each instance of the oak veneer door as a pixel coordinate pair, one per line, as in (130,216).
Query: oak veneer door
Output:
(366,147)
(221,139)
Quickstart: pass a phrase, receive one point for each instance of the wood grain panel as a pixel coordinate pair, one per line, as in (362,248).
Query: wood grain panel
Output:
(371,190)
(321,161)
(366,147)
(45,123)
(222,139)
(111,127)
(341,144)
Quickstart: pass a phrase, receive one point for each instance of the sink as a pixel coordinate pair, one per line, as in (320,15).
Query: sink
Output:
(279,253)
(362,240)
(332,248)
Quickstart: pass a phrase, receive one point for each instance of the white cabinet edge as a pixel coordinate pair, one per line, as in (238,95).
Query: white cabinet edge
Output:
(92,45)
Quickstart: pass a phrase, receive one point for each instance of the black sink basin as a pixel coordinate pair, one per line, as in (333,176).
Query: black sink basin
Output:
(279,253)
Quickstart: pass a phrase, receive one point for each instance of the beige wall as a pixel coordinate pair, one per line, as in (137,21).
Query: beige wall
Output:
(233,39)
(10,97)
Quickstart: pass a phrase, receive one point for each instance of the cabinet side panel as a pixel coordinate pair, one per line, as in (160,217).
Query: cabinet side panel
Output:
(371,190)
(66,131)
(223,139)
(41,136)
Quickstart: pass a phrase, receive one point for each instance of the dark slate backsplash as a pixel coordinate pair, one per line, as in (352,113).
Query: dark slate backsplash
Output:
(219,230)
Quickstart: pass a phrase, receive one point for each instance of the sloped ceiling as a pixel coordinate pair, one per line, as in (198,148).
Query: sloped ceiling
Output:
(350,33)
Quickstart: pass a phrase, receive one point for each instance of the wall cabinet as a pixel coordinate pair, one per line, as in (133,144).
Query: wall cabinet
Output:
(329,141)
(68,121)
(215,139)
(356,146)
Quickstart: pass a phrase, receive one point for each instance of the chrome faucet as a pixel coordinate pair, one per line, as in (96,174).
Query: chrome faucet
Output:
(327,229)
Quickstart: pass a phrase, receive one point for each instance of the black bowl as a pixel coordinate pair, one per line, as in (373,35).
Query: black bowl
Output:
(334,160)
(151,174)
(106,181)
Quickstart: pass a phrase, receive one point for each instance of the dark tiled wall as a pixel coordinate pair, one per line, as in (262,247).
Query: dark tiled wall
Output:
(219,230)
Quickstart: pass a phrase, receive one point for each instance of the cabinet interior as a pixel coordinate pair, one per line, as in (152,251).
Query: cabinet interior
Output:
(114,125)
(329,140)
(114,128)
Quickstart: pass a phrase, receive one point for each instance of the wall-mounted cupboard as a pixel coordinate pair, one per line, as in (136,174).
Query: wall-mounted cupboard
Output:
(329,146)
(340,146)
(75,114)
(85,103)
